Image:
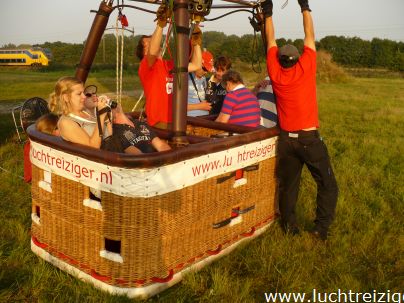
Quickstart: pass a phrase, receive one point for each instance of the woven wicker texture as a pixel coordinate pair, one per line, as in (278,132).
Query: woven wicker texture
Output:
(157,235)
(202,131)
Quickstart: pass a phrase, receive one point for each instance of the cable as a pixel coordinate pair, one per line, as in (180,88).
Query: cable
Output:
(254,51)
(229,13)
(134,7)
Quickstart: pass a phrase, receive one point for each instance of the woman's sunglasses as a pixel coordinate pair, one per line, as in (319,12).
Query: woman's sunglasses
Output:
(90,90)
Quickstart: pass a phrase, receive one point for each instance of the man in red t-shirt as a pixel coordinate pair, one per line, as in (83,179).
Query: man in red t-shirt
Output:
(156,73)
(294,84)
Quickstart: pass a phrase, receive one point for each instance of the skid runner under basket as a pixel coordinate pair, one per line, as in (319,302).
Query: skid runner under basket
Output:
(158,215)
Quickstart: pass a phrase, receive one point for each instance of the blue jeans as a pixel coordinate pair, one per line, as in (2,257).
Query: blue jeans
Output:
(294,150)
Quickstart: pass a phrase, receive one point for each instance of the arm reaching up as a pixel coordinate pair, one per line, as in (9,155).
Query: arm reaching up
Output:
(196,42)
(267,7)
(309,39)
(153,49)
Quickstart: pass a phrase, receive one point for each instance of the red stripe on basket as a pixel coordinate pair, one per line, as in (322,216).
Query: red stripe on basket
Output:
(85,266)
(93,273)
(40,244)
(99,277)
(179,266)
(269,219)
(164,280)
(67,258)
(258,224)
(73,261)
(121,281)
(225,242)
(62,256)
(139,282)
(215,251)
(249,234)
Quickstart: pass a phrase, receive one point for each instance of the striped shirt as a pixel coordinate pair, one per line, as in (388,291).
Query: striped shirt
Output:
(267,101)
(242,106)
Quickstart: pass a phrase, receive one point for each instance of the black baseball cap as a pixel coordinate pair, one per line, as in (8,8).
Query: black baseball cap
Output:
(288,55)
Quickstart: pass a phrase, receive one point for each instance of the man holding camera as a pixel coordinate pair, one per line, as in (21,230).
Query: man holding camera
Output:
(155,73)
(294,84)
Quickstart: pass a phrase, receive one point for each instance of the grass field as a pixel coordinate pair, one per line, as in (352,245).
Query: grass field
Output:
(362,122)
(19,84)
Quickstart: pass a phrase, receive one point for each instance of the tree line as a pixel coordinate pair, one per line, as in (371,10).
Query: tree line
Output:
(345,51)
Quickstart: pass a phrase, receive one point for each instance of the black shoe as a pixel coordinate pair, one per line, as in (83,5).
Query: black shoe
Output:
(318,235)
(291,229)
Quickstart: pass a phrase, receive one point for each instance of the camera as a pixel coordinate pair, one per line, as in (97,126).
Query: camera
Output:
(112,104)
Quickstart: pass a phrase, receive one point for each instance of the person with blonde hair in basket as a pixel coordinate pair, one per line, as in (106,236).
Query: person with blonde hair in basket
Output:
(67,100)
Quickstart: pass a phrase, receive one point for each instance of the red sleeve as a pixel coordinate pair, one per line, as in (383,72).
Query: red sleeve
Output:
(144,67)
(308,58)
(273,65)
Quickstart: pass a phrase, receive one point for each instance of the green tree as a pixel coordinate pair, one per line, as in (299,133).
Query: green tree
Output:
(9,46)
(384,53)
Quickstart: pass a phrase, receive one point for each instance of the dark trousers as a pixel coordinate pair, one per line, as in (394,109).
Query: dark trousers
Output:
(294,150)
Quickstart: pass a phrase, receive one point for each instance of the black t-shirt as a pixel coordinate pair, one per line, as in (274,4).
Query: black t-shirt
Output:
(125,135)
(215,94)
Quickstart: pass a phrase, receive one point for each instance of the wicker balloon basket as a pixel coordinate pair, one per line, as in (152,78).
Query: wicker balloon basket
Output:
(135,224)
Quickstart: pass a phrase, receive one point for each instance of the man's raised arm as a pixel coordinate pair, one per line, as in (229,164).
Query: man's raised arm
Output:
(196,43)
(309,39)
(154,46)
(162,14)
(267,7)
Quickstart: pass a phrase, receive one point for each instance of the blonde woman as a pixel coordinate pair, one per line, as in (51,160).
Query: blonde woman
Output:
(67,100)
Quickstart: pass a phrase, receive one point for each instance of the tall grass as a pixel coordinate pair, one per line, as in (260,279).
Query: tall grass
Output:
(362,122)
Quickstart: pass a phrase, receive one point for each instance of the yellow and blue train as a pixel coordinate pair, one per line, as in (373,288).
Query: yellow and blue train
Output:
(25,57)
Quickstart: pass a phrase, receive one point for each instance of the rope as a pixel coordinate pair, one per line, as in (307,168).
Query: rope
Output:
(137,102)
(165,45)
(255,59)
(120,76)
(119,60)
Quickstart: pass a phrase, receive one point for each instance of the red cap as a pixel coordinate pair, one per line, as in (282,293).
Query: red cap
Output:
(207,61)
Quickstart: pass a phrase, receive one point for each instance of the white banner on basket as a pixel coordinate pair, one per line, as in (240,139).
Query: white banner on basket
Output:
(148,182)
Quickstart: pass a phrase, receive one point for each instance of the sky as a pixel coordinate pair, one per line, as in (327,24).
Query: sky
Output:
(35,22)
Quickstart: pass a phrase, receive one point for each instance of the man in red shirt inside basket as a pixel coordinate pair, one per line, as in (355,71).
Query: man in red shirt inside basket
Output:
(156,74)
(294,83)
